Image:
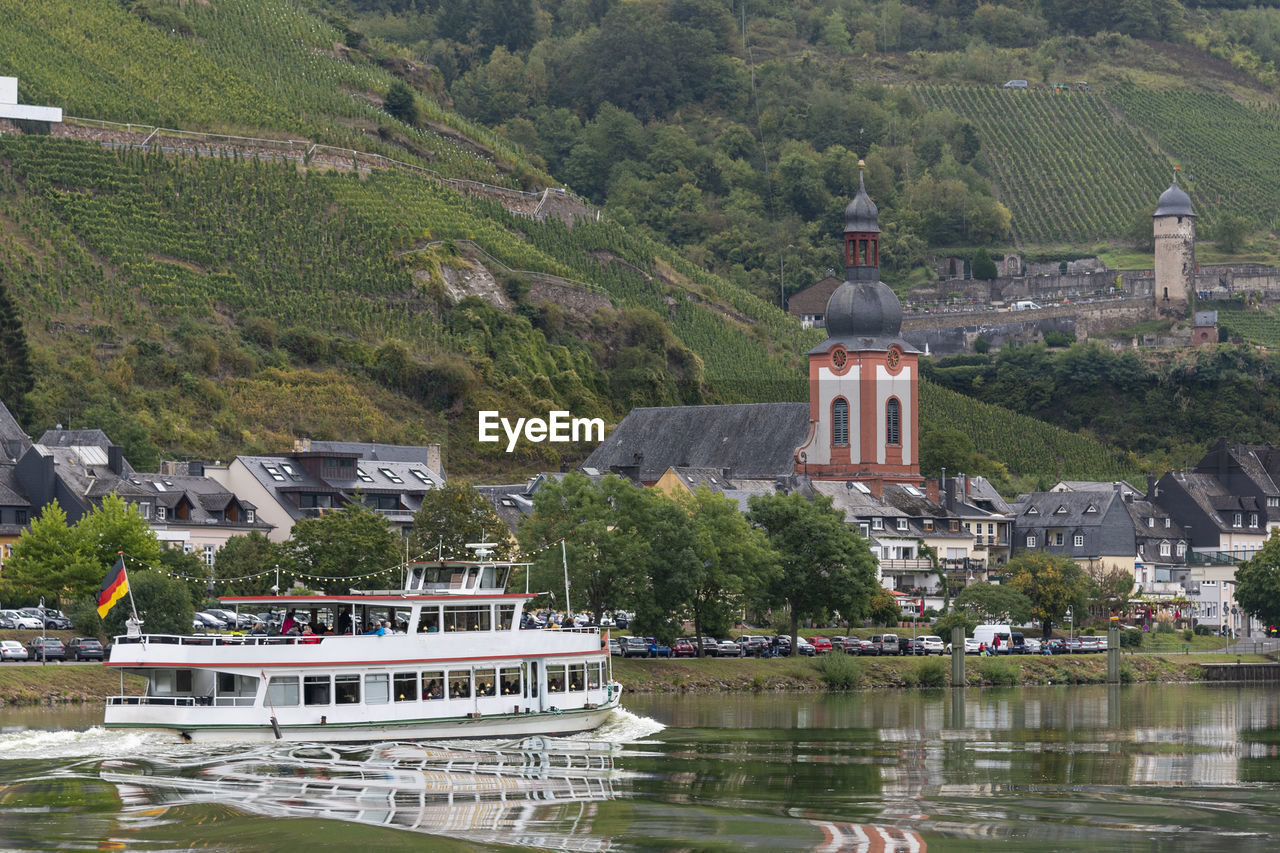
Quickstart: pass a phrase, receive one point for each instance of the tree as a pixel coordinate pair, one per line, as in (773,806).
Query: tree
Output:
(349,547)
(824,565)
(1258,583)
(113,527)
(994,603)
(252,557)
(605,551)
(452,516)
(164,605)
(1229,231)
(50,559)
(731,558)
(16,375)
(983,267)
(1051,582)
(400,103)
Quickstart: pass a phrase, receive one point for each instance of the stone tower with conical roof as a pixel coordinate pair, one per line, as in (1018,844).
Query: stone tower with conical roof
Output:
(1175,242)
(864,379)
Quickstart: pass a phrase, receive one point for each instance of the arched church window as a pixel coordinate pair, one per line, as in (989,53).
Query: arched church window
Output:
(893,422)
(840,422)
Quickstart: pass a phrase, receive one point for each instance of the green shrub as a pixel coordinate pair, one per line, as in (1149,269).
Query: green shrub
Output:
(1187,634)
(1164,627)
(999,671)
(1204,631)
(1131,639)
(932,673)
(1126,673)
(840,672)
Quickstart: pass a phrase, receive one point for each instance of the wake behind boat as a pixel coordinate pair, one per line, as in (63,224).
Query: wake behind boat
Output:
(464,666)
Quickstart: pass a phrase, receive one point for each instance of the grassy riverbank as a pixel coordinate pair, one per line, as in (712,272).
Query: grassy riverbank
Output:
(58,683)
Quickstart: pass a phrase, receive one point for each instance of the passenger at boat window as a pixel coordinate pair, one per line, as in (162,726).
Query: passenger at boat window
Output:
(309,636)
(289,623)
(344,623)
(258,629)
(486,688)
(508,688)
(555,686)
(432,691)
(378,630)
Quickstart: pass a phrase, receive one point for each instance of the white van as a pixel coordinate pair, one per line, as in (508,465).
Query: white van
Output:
(1024,305)
(987,634)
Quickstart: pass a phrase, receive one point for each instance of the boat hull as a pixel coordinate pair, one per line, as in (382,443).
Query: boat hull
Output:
(470,727)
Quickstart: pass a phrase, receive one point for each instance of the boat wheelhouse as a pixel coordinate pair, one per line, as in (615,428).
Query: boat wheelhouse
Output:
(456,661)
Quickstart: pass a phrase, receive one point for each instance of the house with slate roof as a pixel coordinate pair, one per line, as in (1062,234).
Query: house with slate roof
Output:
(1219,523)
(1092,528)
(314,479)
(810,304)
(1247,470)
(194,512)
(15,510)
(983,513)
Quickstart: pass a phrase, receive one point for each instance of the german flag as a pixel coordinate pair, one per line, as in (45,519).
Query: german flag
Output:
(114,588)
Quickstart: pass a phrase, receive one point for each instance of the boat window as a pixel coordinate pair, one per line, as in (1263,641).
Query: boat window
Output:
(315,689)
(506,616)
(510,681)
(230,684)
(577,676)
(433,684)
(376,688)
(460,684)
(594,675)
(471,617)
(486,684)
(282,690)
(406,684)
(437,578)
(494,577)
(167,682)
(346,689)
(429,623)
(555,678)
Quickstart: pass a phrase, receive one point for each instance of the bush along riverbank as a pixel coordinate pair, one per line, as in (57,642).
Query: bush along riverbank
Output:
(837,672)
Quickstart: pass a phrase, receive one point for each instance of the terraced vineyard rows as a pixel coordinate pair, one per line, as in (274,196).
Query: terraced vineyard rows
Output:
(1025,445)
(1219,151)
(1067,169)
(1255,327)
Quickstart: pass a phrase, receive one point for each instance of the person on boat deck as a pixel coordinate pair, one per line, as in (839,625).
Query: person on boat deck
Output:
(309,636)
(433,690)
(379,629)
(288,624)
(344,623)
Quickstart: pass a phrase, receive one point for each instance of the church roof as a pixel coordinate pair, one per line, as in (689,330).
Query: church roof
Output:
(861,215)
(1174,202)
(751,440)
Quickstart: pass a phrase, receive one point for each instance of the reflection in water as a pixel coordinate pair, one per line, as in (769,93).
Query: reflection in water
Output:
(537,792)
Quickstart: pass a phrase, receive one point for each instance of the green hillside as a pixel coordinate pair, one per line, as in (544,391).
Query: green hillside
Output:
(204,306)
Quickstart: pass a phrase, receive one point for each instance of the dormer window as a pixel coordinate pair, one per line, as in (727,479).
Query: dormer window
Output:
(1253,519)
(1237,520)
(1091,508)
(1168,523)
(902,524)
(1033,511)
(928,524)
(248,516)
(877,524)
(1062,510)
(1164,549)
(159,513)
(1182,549)
(1151,522)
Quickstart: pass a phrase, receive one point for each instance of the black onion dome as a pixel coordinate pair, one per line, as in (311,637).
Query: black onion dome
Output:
(861,215)
(1174,202)
(865,309)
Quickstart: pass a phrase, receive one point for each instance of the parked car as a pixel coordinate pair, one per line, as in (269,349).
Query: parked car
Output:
(808,648)
(46,648)
(635,647)
(683,648)
(1030,646)
(1073,646)
(1015,84)
(23,620)
(729,649)
(930,644)
(615,647)
(753,645)
(821,645)
(656,649)
(859,646)
(84,648)
(971,646)
(12,650)
(886,644)
(7,623)
(709,646)
(202,621)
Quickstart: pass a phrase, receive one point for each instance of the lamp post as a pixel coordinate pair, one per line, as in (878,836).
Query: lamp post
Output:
(1071,625)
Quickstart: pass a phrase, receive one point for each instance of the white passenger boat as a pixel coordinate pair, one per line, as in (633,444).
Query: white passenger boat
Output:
(457,664)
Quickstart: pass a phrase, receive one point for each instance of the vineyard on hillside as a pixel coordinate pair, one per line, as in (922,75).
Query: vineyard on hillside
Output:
(1025,445)
(1220,144)
(1254,327)
(1068,170)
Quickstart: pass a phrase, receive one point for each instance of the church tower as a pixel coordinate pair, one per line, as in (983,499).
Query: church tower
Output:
(1175,241)
(864,379)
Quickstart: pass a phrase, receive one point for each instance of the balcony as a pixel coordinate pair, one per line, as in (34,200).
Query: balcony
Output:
(915,564)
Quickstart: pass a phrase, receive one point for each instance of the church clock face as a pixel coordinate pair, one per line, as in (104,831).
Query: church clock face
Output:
(893,358)
(839,358)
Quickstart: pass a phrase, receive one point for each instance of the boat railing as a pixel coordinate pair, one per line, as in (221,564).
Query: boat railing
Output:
(229,639)
(184,701)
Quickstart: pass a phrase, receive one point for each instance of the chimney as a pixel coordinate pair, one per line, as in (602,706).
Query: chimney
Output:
(115,459)
(435,460)
(877,488)
(301,445)
(195,469)
(931,490)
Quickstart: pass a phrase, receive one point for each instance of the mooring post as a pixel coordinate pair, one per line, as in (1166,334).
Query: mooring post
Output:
(957,656)
(1113,653)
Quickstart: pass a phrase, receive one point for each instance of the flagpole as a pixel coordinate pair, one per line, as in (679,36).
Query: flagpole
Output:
(132,606)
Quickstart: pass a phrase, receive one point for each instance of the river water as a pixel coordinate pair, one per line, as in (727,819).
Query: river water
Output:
(1133,768)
